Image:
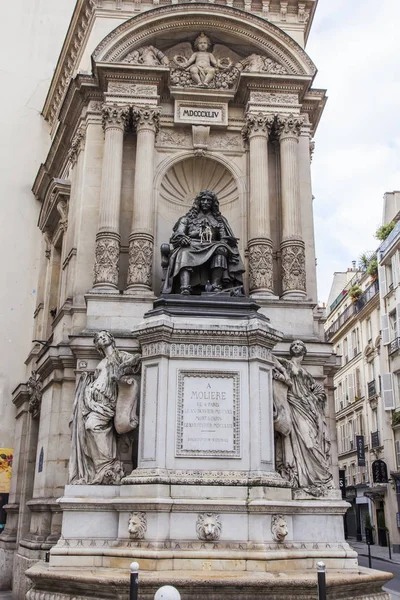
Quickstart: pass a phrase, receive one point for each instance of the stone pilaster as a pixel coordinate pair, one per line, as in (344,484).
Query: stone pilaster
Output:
(141,239)
(292,245)
(108,238)
(256,131)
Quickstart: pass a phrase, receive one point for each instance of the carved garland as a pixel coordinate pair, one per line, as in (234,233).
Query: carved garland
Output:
(140,261)
(106,264)
(293,267)
(260,266)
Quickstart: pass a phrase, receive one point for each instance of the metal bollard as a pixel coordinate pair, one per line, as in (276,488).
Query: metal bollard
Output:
(134,583)
(321,572)
(167,592)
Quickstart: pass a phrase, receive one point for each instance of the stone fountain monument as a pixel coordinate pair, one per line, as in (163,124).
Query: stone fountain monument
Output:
(232,487)
(196,435)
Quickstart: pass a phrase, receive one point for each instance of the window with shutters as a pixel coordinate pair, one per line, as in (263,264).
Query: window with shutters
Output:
(393,324)
(345,351)
(397,450)
(389,277)
(341,438)
(359,423)
(350,436)
(396,388)
(375,419)
(382,280)
(352,474)
(387,391)
(355,342)
(350,383)
(369,330)
(385,329)
(340,395)
(358,384)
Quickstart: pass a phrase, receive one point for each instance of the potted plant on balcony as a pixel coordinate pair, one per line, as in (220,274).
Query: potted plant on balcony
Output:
(396,418)
(355,292)
(372,268)
(383,232)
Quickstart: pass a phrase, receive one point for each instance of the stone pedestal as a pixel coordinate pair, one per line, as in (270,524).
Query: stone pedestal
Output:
(205,504)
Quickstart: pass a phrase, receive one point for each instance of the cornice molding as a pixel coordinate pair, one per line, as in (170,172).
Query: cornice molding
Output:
(198,16)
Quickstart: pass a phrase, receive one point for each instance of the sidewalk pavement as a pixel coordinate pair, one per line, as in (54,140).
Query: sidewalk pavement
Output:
(6,595)
(376,551)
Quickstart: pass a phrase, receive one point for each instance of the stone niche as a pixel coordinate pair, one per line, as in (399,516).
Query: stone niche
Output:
(180,184)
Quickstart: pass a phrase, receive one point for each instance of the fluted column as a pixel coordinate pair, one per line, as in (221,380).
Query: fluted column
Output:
(292,245)
(257,130)
(108,237)
(141,239)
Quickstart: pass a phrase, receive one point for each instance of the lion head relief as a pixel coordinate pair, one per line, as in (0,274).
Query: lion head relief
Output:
(137,525)
(208,527)
(279,528)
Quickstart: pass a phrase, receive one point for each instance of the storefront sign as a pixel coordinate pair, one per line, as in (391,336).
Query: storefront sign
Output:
(379,472)
(360,450)
(201,113)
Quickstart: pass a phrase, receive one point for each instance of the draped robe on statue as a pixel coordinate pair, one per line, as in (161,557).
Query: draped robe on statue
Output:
(300,419)
(94,458)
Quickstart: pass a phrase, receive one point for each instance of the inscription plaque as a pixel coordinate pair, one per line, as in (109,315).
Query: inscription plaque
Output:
(208,419)
(201,113)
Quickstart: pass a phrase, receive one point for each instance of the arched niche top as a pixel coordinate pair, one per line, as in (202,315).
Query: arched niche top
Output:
(166,26)
(185,179)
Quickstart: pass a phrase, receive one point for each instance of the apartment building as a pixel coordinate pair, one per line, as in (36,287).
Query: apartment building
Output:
(363,326)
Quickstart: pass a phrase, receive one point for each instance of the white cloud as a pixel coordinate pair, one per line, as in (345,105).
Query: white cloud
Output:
(355,46)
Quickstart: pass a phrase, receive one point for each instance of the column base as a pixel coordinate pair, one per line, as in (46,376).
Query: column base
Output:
(263,295)
(138,290)
(101,288)
(294,295)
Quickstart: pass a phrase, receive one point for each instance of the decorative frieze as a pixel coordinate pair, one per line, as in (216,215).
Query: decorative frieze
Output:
(140,260)
(131,89)
(107,255)
(293,267)
(169,137)
(260,265)
(273,98)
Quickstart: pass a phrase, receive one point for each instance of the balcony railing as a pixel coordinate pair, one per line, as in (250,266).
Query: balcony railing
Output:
(371,388)
(394,345)
(353,309)
(375,439)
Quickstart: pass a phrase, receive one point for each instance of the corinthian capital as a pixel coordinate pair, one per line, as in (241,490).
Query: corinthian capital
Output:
(257,124)
(115,116)
(289,126)
(147,118)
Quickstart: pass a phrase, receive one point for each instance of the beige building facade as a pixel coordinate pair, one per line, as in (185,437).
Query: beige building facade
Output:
(364,332)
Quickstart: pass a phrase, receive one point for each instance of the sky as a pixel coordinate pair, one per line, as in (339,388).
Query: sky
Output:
(356,47)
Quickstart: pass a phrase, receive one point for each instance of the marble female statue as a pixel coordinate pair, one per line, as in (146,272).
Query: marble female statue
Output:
(100,412)
(299,414)
(205,251)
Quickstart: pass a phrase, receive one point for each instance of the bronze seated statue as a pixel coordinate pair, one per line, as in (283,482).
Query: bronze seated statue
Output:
(204,254)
